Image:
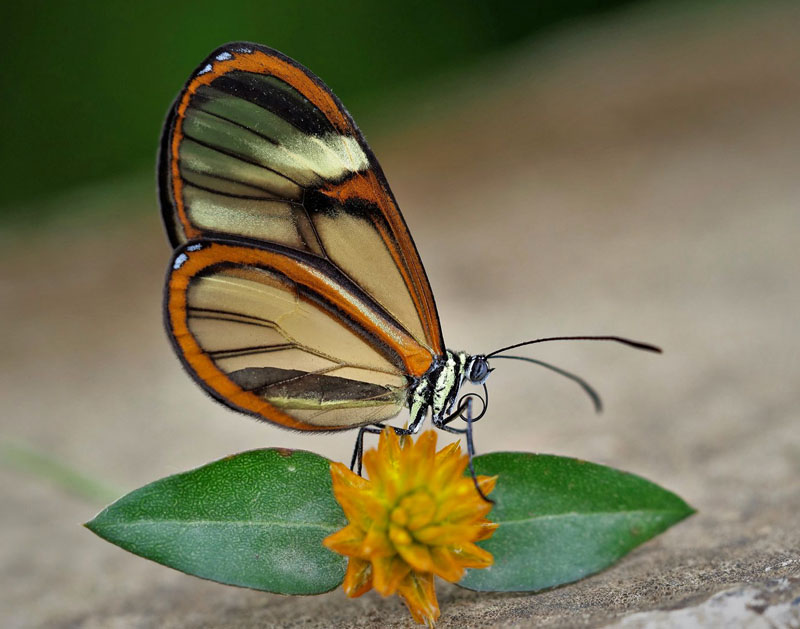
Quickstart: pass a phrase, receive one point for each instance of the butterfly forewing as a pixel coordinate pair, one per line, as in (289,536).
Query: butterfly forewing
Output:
(286,337)
(256,147)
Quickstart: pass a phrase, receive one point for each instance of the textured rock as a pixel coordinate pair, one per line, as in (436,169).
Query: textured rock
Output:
(770,604)
(634,176)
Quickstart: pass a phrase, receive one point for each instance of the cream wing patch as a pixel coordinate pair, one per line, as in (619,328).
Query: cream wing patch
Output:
(244,167)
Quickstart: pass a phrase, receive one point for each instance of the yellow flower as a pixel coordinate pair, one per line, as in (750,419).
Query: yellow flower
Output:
(417,516)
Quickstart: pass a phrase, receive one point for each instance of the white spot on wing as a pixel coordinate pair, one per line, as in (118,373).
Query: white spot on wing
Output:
(224,56)
(195,247)
(207,68)
(179,261)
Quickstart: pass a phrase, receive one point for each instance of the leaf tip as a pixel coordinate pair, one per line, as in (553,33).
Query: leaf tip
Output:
(91,525)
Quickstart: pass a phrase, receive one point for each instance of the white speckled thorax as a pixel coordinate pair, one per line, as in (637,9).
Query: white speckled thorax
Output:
(437,389)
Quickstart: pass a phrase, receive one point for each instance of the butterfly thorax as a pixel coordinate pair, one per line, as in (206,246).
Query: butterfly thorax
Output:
(438,388)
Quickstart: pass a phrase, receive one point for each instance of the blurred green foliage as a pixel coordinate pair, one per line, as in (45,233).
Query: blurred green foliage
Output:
(87,84)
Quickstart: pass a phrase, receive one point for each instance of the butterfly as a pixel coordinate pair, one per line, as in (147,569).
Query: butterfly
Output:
(295,292)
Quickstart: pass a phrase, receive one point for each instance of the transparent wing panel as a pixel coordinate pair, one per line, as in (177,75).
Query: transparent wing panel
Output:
(277,337)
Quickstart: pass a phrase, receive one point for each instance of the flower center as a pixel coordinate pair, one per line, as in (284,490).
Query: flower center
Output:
(414,511)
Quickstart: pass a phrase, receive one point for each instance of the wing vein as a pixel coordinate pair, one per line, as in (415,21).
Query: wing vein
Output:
(241,158)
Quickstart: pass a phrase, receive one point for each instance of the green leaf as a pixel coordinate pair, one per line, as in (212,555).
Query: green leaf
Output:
(256,519)
(562,519)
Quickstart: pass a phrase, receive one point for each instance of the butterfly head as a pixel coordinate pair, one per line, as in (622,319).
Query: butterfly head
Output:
(477,369)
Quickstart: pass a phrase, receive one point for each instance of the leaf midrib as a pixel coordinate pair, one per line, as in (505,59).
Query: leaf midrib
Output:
(241,523)
(556,516)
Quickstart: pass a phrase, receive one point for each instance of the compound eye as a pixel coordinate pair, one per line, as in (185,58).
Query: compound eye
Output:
(479,370)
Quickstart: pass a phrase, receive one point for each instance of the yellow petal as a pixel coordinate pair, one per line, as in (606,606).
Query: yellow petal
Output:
(377,544)
(374,467)
(448,534)
(345,479)
(419,594)
(449,451)
(390,456)
(420,508)
(487,530)
(462,504)
(418,556)
(426,444)
(487,484)
(399,536)
(375,510)
(389,446)
(406,442)
(360,509)
(358,578)
(399,516)
(347,541)
(472,556)
(352,493)
(446,565)
(384,477)
(387,573)
(421,459)
(448,471)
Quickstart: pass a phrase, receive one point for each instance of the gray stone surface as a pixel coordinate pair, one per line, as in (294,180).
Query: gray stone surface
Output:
(637,175)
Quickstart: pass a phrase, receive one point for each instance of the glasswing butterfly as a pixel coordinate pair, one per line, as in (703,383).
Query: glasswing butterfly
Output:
(295,292)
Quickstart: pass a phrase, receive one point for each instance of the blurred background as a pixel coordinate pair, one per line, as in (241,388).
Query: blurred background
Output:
(566,167)
(87,83)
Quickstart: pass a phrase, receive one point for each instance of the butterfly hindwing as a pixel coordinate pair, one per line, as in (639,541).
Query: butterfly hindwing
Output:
(286,337)
(258,148)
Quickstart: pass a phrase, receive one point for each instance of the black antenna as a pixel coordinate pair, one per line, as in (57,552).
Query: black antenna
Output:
(617,339)
(590,391)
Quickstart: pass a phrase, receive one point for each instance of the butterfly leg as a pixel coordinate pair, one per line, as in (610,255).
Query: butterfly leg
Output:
(465,412)
(358,450)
